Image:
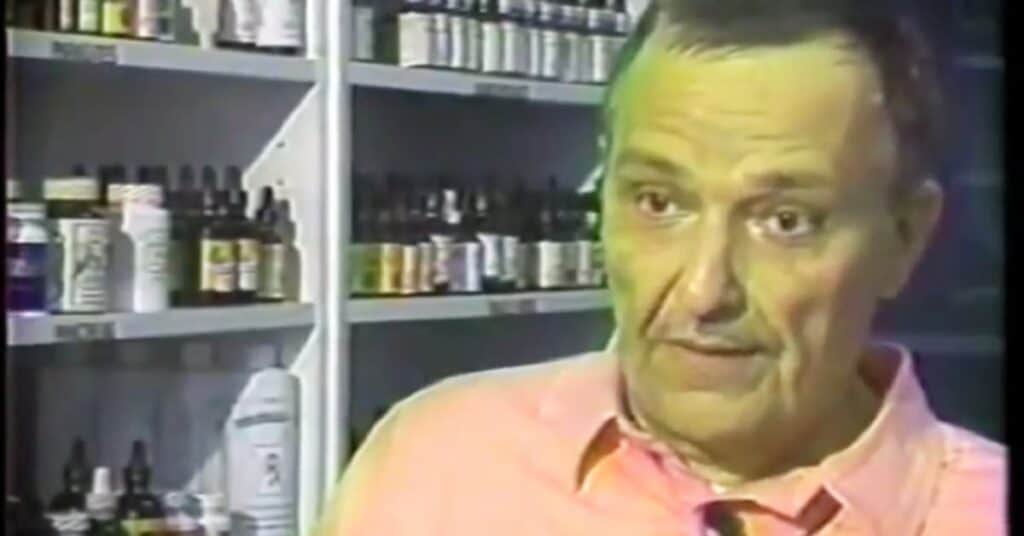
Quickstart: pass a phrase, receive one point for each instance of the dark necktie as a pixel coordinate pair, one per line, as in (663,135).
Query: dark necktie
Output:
(720,518)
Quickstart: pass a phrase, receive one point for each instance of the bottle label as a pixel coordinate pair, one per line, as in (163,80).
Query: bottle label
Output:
(526,273)
(89,16)
(492,47)
(217,266)
(514,43)
(147,24)
(142,527)
(415,41)
(459,49)
(66,16)
(390,268)
(597,261)
(117,17)
(535,63)
(492,255)
(409,280)
(84,260)
(370,269)
(175,261)
(604,57)
(356,267)
(585,68)
(442,252)
(473,44)
(425,272)
(279,23)
(550,264)
(441,33)
(551,58)
(510,258)
(570,56)
(464,267)
(583,265)
(248,264)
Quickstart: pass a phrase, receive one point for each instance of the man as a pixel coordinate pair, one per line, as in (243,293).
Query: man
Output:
(767,183)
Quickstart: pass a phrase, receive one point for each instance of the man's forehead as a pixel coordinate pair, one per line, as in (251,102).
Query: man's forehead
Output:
(821,92)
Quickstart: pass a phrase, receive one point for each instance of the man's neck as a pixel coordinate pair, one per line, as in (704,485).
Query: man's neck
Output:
(739,464)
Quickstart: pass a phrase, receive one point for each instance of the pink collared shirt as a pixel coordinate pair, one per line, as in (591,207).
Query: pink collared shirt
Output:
(501,453)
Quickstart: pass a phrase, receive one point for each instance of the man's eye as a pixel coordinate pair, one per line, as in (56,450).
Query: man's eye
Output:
(789,223)
(656,204)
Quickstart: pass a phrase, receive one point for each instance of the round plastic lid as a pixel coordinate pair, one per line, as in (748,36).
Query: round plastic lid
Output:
(144,194)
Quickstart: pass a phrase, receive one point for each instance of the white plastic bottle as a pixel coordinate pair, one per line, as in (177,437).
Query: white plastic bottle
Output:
(281,26)
(149,228)
(262,437)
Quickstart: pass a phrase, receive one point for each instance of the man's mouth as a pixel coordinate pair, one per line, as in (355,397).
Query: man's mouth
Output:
(718,348)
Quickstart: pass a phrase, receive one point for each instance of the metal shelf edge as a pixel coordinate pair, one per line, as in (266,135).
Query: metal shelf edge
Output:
(370,310)
(34,44)
(44,330)
(365,74)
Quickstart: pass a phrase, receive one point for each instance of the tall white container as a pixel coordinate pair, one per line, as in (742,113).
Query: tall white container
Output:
(262,438)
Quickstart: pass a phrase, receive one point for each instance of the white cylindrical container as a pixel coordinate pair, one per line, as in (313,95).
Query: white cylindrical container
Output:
(84,236)
(491,46)
(281,24)
(415,41)
(149,228)
(262,437)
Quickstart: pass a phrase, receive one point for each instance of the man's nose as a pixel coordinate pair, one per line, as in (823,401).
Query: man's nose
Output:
(708,287)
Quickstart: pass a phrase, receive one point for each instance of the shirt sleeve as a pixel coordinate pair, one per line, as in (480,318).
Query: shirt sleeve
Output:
(393,485)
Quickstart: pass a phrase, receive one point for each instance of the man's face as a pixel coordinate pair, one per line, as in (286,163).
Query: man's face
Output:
(749,233)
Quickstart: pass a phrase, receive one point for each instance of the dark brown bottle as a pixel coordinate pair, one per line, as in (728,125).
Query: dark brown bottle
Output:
(364,255)
(139,510)
(246,237)
(489,235)
(217,264)
(76,481)
(273,250)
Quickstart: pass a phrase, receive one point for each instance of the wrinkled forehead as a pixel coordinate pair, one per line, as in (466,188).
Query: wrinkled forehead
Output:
(821,92)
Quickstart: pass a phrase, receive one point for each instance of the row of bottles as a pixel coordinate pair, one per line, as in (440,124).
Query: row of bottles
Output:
(240,460)
(142,242)
(274,26)
(567,40)
(410,240)
(88,504)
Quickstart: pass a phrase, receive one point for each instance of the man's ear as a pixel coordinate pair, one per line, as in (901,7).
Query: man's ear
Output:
(916,217)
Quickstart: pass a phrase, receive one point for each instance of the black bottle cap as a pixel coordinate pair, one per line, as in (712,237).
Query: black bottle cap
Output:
(79,170)
(76,471)
(136,473)
(209,180)
(237,199)
(186,177)
(232,178)
(158,175)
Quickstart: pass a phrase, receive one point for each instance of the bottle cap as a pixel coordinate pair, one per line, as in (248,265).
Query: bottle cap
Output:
(175,500)
(101,501)
(71,189)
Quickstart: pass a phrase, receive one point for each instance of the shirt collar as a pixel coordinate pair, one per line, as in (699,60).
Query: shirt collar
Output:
(904,439)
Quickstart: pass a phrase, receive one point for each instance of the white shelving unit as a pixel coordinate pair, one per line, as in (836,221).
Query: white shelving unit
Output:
(366,311)
(58,47)
(43,330)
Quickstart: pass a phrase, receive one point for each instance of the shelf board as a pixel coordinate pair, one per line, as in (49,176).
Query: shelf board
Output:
(162,56)
(53,329)
(967,345)
(376,75)
(370,310)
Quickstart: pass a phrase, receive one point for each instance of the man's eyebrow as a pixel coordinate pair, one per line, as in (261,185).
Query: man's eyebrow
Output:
(643,159)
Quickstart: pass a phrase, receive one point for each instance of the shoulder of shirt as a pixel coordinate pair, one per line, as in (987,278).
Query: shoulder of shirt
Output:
(972,486)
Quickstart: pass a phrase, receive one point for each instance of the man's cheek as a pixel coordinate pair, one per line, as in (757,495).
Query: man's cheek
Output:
(638,272)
